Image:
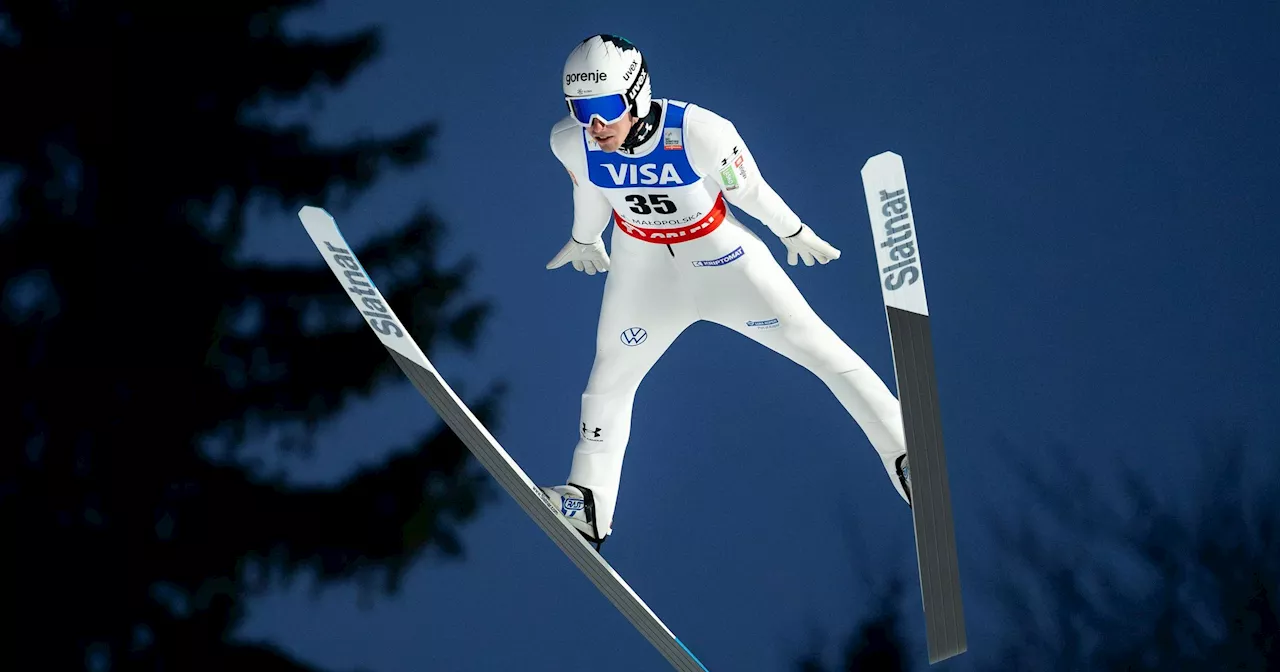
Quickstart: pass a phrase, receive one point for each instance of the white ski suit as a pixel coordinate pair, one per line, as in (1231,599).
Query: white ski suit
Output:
(679,256)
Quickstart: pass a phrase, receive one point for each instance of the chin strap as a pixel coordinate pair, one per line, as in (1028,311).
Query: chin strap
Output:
(643,129)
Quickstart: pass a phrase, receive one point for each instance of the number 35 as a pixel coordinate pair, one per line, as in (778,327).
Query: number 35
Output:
(655,203)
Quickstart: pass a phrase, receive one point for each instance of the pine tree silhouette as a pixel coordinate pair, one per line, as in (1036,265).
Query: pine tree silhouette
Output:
(1162,579)
(140,348)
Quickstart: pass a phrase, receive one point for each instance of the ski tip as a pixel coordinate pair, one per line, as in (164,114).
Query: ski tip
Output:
(313,212)
(888,155)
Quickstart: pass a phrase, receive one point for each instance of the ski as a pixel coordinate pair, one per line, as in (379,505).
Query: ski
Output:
(893,227)
(342,260)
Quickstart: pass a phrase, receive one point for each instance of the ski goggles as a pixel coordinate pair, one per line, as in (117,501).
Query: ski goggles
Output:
(609,108)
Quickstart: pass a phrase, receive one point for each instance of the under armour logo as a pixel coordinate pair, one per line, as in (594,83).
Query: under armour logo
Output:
(593,433)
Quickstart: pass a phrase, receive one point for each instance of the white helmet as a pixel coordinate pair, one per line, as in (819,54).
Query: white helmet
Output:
(604,76)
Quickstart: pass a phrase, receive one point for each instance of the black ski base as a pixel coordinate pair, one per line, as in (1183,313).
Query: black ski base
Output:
(931,491)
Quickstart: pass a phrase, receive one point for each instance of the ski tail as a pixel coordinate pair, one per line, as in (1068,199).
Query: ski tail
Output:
(907,311)
(391,332)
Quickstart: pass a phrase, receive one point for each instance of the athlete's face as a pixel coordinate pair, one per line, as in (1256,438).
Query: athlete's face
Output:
(610,136)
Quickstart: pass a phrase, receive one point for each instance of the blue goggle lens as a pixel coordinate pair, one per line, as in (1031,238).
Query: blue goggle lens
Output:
(609,108)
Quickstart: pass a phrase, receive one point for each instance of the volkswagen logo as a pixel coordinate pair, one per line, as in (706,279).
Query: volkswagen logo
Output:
(634,336)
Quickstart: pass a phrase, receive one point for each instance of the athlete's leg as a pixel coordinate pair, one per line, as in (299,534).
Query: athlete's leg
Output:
(754,297)
(643,310)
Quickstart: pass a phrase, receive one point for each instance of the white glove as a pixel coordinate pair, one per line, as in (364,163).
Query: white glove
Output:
(808,246)
(586,257)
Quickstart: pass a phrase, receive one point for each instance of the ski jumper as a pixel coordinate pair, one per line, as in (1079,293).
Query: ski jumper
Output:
(678,256)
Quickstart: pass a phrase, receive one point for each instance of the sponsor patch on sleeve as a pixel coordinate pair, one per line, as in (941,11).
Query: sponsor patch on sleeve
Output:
(727,178)
(739,162)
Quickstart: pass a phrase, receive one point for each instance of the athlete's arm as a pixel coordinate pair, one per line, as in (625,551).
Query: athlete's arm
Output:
(717,152)
(591,210)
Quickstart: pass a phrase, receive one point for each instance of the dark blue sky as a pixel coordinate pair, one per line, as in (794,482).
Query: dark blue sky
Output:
(1093,189)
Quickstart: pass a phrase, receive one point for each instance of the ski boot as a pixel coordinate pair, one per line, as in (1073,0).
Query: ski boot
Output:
(904,475)
(577,505)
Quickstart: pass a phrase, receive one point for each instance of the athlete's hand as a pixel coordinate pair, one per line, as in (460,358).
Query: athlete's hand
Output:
(586,257)
(806,245)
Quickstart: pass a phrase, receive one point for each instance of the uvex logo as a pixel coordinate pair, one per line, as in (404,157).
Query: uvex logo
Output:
(647,173)
(899,240)
(593,77)
(365,294)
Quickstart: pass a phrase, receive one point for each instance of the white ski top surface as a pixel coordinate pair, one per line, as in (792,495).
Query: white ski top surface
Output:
(892,223)
(369,301)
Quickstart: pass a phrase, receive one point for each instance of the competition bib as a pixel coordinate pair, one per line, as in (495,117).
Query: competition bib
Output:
(658,197)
